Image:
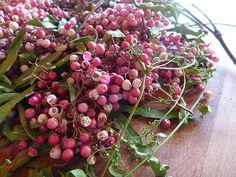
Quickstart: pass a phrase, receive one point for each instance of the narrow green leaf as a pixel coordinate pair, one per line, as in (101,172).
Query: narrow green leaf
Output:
(5,89)
(90,171)
(148,112)
(26,57)
(46,23)
(17,133)
(76,173)
(82,39)
(184,30)
(38,172)
(4,97)
(24,124)
(110,33)
(5,79)
(116,171)
(13,51)
(7,107)
(81,47)
(26,76)
(72,92)
(130,133)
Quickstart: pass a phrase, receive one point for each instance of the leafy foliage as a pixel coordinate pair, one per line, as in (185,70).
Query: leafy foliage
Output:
(148,112)
(13,51)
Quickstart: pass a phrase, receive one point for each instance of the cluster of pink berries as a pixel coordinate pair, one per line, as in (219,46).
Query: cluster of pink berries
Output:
(105,75)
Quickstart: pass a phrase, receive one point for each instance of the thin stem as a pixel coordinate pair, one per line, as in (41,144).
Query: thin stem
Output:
(166,139)
(215,32)
(126,124)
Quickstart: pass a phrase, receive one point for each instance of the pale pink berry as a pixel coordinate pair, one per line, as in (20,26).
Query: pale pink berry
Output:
(126,85)
(55,153)
(102,135)
(52,123)
(100,49)
(42,118)
(87,56)
(83,107)
(91,45)
(136,83)
(113,98)
(85,121)
(101,88)
(51,99)
(53,111)
(104,79)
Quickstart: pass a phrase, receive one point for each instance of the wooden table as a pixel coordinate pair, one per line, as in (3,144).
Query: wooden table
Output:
(207,147)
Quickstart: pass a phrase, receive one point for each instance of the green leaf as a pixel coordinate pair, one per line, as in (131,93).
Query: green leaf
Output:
(110,33)
(184,30)
(17,133)
(5,89)
(46,23)
(116,171)
(26,76)
(131,135)
(72,92)
(148,112)
(5,79)
(26,57)
(80,47)
(38,172)
(4,97)
(24,124)
(159,170)
(204,109)
(13,51)
(76,173)
(7,107)
(82,39)
(90,171)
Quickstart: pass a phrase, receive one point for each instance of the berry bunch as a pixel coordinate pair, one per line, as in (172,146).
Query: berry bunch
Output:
(70,105)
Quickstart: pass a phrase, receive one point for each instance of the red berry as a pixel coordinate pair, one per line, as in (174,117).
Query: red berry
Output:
(30,113)
(67,155)
(33,101)
(84,138)
(40,139)
(165,123)
(85,151)
(53,139)
(32,152)
(110,140)
(69,143)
